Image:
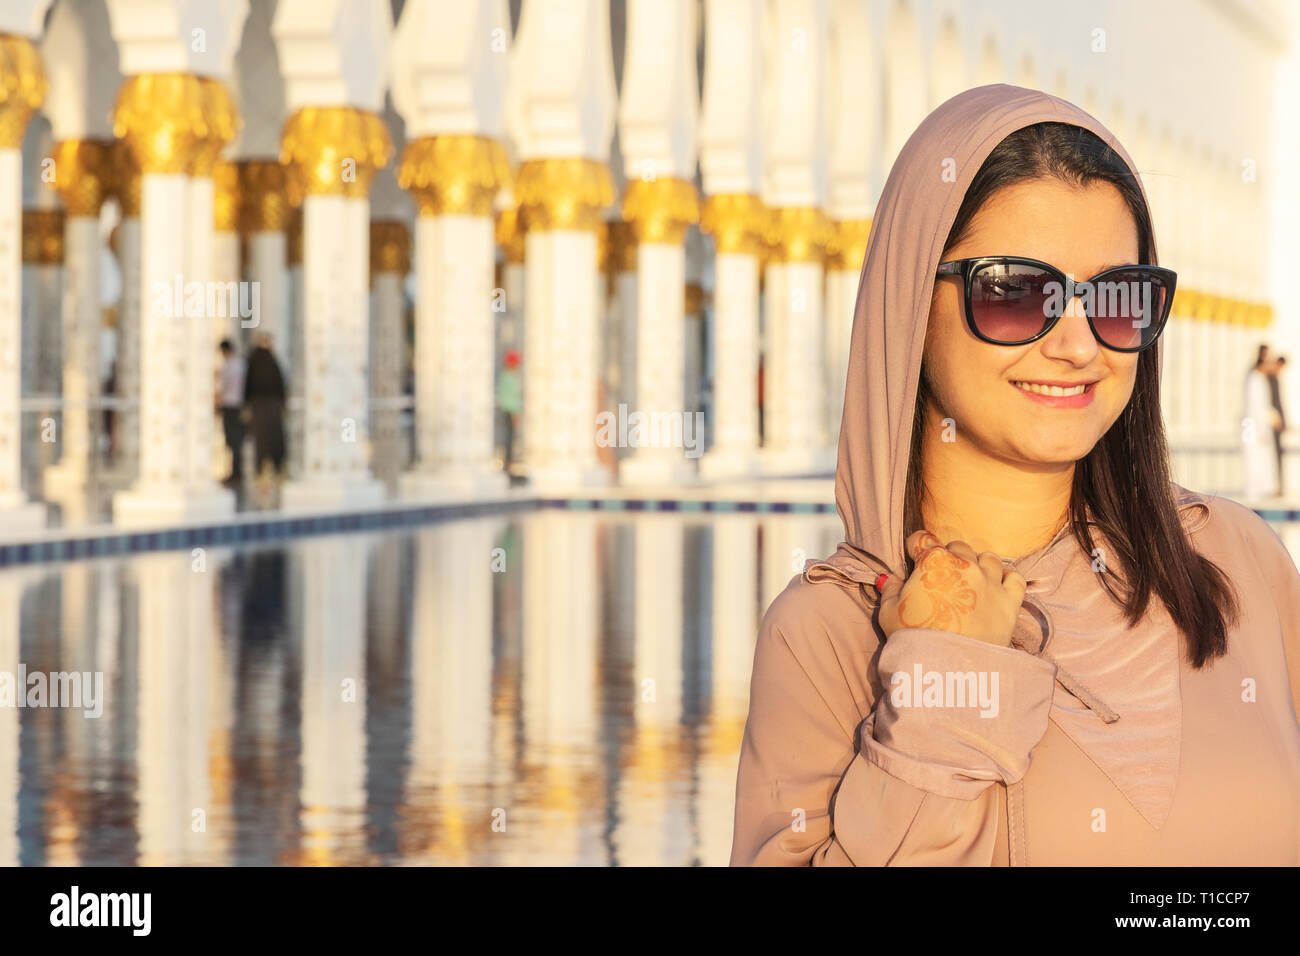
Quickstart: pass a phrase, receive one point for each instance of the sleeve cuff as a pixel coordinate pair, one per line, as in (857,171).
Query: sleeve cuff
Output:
(956,714)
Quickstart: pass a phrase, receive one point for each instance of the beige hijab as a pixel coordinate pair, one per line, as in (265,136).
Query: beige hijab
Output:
(1067,617)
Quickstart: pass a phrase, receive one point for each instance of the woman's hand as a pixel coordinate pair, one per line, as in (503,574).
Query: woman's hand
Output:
(953,589)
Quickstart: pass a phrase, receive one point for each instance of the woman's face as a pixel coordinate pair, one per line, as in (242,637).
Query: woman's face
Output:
(1082,231)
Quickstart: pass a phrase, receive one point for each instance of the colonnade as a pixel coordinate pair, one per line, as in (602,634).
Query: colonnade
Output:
(228,156)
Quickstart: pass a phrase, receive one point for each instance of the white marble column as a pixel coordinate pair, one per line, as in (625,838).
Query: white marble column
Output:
(449,86)
(42,334)
(264,214)
(736,221)
(390,261)
(24,81)
(657,120)
(795,188)
(81,326)
(336,308)
(127,466)
(297,295)
(731,166)
(454,179)
(212,320)
(158,116)
(562,120)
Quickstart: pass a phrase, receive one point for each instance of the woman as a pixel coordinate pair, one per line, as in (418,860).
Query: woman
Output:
(979,675)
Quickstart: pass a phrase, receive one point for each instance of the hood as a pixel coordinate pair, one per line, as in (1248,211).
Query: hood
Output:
(916,211)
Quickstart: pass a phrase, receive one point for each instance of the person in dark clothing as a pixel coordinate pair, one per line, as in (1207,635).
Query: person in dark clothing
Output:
(1279,420)
(264,396)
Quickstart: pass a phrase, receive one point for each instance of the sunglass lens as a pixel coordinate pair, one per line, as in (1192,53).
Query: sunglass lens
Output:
(1128,307)
(1011,302)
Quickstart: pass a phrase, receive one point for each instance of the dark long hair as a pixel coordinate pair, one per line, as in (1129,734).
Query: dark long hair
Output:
(1125,478)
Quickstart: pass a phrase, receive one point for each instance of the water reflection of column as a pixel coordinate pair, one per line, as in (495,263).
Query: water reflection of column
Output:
(558,687)
(175,642)
(451,673)
(76,612)
(735,627)
(12,585)
(651,829)
(788,540)
(333,761)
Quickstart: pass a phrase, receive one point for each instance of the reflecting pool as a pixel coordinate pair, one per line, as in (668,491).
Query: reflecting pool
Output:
(550,687)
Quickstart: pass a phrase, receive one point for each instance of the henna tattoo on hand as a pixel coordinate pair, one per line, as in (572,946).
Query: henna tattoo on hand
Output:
(945,598)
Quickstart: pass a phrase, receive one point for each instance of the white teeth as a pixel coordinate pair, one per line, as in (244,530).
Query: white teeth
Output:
(1051,389)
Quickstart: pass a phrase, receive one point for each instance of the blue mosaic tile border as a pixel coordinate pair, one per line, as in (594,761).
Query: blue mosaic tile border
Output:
(111,543)
(108,542)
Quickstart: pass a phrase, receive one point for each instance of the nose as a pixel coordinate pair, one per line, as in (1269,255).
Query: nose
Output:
(1071,339)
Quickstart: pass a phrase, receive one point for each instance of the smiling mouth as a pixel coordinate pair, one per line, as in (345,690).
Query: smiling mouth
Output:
(1055,391)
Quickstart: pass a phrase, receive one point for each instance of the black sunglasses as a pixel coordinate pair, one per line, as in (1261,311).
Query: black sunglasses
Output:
(1011,300)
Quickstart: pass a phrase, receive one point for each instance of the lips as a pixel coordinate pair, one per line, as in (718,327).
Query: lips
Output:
(1057,394)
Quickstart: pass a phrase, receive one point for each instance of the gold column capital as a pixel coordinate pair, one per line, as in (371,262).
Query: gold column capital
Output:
(798,233)
(510,234)
(84,174)
(225,196)
(738,222)
(847,246)
(333,151)
(43,236)
(661,209)
(221,119)
(454,174)
(22,87)
(161,117)
(263,200)
(569,193)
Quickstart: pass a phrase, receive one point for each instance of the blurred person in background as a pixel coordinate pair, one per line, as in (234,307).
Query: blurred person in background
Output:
(230,401)
(510,402)
(1259,470)
(264,395)
(1279,416)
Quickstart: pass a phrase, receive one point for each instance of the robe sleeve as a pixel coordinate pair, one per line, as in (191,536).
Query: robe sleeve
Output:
(819,785)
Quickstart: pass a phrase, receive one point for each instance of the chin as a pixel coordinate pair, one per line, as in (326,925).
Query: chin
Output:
(1057,449)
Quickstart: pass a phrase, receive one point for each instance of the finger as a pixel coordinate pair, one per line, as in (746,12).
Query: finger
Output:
(963,550)
(992,565)
(918,541)
(1014,583)
(889,604)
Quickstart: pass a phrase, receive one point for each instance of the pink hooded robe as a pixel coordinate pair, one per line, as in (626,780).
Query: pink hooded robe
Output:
(1106,746)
